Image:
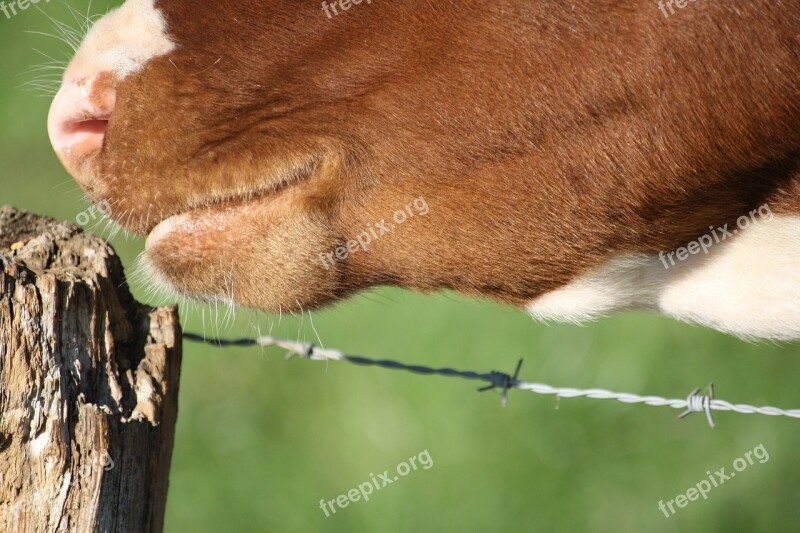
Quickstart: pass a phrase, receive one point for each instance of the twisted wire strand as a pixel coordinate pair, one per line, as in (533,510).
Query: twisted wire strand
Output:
(695,402)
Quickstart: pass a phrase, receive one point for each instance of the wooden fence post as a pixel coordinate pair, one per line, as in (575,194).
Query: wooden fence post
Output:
(88,385)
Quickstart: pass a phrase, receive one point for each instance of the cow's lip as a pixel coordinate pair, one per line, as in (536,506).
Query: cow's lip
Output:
(163,228)
(215,207)
(78,121)
(212,202)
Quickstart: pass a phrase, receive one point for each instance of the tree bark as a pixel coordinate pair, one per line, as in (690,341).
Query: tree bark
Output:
(88,385)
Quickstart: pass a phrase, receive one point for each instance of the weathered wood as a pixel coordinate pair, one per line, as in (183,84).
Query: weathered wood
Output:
(88,385)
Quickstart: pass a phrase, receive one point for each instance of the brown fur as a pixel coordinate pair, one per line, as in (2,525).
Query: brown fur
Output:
(545,137)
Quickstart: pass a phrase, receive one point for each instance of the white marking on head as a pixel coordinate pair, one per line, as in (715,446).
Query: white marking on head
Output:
(122,41)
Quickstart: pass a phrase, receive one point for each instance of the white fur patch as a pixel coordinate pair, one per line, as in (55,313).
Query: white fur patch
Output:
(747,285)
(621,283)
(122,41)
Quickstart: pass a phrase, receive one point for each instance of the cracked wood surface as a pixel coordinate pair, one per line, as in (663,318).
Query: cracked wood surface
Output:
(88,385)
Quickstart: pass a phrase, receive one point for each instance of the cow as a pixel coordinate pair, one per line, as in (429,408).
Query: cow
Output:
(572,159)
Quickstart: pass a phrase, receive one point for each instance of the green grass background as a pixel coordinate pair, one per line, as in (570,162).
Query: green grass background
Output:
(261,440)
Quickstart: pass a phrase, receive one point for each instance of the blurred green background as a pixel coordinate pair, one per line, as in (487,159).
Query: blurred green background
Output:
(261,440)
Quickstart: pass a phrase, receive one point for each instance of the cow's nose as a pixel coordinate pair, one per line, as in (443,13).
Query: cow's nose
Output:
(78,120)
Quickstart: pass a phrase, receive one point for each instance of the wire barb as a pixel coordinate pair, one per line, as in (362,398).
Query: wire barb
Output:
(700,403)
(694,403)
(503,382)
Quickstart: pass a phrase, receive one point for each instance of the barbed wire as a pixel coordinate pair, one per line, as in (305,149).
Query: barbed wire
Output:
(698,401)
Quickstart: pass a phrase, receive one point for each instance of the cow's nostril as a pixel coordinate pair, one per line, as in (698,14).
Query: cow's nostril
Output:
(78,120)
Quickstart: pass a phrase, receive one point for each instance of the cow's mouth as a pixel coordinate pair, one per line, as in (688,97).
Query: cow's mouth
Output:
(215,213)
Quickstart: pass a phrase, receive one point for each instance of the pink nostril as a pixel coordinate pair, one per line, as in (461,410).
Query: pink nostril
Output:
(79,117)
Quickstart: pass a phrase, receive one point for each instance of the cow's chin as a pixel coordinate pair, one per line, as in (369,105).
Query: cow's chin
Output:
(262,253)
